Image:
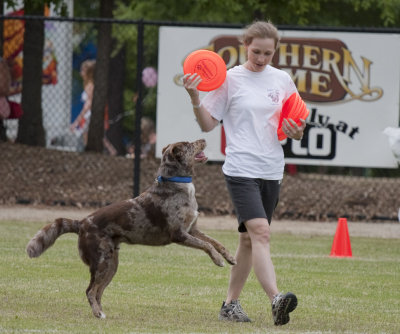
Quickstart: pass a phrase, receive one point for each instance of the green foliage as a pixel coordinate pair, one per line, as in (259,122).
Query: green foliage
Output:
(32,6)
(366,13)
(60,7)
(86,8)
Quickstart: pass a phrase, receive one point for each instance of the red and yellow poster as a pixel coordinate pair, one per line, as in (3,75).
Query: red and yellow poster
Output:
(13,52)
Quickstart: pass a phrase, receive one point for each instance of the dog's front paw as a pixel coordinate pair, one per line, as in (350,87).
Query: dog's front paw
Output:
(220,264)
(228,257)
(231,260)
(219,261)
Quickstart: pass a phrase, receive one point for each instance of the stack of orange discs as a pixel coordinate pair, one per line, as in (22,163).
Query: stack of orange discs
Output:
(209,65)
(293,108)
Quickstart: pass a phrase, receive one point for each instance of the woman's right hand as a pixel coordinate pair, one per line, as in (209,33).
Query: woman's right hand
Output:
(190,82)
(73,126)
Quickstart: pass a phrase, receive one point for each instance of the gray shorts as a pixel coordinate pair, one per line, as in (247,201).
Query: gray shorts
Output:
(253,198)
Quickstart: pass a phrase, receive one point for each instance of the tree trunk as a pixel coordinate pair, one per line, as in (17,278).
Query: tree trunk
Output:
(3,136)
(116,100)
(99,103)
(1,27)
(31,130)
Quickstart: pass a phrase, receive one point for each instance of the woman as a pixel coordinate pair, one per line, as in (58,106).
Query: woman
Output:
(81,123)
(249,104)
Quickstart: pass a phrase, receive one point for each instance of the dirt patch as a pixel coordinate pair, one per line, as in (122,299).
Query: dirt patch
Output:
(38,176)
(48,214)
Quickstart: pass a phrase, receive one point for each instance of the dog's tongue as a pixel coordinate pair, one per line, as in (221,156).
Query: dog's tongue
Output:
(200,157)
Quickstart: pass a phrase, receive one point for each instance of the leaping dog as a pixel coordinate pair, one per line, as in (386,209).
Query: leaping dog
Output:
(163,214)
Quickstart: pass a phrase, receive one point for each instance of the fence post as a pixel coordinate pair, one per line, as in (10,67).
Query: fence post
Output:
(138,116)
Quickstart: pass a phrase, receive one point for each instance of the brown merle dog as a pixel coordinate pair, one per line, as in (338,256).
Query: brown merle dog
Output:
(165,213)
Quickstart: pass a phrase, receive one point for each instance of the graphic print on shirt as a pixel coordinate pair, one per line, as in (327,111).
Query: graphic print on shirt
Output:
(273,95)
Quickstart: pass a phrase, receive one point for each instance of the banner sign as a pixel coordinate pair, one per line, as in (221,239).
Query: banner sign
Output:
(350,82)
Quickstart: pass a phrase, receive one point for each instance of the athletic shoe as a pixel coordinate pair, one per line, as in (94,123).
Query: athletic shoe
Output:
(233,312)
(282,305)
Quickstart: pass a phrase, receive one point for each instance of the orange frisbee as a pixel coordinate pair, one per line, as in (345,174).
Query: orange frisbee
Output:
(293,108)
(209,65)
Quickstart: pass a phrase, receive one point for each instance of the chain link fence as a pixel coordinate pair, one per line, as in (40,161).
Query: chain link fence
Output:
(64,173)
(68,46)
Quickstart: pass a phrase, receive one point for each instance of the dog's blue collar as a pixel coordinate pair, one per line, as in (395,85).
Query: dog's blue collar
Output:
(179,179)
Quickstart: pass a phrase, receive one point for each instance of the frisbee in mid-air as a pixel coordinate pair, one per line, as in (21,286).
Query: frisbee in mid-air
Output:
(209,65)
(293,108)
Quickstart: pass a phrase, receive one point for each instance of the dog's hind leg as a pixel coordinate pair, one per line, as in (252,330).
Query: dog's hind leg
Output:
(183,238)
(113,266)
(91,292)
(103,264)
(217,245)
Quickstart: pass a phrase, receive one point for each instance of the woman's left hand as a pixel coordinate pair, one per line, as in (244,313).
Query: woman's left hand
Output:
(292,130)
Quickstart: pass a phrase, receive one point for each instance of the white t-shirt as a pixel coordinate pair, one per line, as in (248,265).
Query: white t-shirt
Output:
(249,104)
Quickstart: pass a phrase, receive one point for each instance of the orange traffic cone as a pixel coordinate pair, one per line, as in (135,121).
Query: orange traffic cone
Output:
(341,246)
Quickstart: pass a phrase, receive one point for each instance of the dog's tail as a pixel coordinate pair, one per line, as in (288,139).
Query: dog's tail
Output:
(47,236)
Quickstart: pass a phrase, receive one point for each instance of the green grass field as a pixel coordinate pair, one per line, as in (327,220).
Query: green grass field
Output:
(175,289)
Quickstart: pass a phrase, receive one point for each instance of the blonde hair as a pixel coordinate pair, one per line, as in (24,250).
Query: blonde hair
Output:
(260,29)
(88,66)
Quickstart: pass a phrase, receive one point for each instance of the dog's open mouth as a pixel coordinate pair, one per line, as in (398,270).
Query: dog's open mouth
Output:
(200,157)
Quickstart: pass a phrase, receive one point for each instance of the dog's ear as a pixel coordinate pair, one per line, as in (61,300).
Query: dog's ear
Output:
(164,149)
(176,151)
